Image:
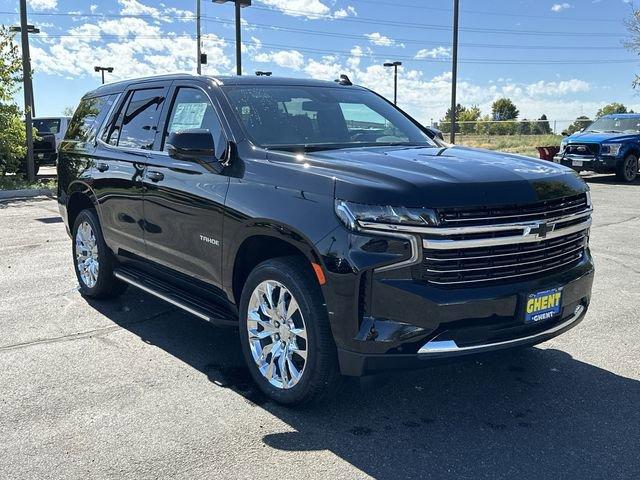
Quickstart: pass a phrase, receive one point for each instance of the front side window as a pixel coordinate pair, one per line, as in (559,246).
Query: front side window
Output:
(293,117)
(192,109)
(136,124)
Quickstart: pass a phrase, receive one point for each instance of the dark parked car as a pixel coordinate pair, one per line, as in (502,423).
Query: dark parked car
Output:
(335,231)
(611,144)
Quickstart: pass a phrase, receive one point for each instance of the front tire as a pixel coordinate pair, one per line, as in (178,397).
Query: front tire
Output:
(92,260)
(627,171)
(285,334)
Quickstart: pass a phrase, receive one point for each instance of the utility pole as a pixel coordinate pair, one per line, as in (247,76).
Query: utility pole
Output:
(395,66)
(28,87)
(238,40)
(238,5)
(454,70)
(198,39)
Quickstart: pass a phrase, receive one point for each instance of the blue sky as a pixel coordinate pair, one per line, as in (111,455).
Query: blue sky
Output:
(554,57)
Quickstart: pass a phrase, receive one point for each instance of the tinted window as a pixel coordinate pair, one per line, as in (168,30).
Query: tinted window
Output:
(47,125)
(192,109)
(323,117)
(88,117)
(136,125)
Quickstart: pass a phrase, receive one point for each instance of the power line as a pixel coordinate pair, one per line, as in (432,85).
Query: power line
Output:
(491,14)
(288,46)
(371,21)
(423,26)
(417,42)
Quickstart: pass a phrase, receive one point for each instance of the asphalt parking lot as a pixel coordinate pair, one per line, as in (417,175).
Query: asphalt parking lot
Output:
(134,388)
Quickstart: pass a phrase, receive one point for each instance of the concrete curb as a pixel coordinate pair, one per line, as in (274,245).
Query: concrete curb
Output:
(29,193)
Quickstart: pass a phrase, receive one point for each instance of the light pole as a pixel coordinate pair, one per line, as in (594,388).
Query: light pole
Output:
(198,40)
(454,70)
(395,66)
(238,5)
(102,70)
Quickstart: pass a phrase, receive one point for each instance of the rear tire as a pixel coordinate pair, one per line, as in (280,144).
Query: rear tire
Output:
(93,262)
(627,170)
(287,334)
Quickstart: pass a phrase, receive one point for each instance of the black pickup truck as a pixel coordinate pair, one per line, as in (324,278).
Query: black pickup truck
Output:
(336,232)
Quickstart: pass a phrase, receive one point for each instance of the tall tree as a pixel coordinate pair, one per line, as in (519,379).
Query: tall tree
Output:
(504,109)
(12,132)
(611,109)
(580,123)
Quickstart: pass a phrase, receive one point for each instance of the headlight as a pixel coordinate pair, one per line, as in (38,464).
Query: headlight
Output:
(611,149)
(355,215)
(563,145)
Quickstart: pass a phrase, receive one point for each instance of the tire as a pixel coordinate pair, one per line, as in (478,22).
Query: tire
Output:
(23,170)
(96,279)
(627,170)
(318,373)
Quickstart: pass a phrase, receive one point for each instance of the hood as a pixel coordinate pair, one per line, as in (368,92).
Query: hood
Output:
(442,177)
(599,137)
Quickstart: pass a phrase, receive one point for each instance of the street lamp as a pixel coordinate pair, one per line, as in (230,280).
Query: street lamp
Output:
(238,5)
(102,70)
(395,66)
(260,73)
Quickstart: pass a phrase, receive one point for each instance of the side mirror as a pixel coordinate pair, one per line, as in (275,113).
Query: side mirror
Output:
(435,133)
(193,145)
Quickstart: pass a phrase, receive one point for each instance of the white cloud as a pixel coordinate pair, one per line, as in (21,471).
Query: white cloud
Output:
(381,40)
(93,8)
(558,88)
(345,12)
(300,8)
(291,59)
(438,52)
(558,7)
(39,5)
(133,7)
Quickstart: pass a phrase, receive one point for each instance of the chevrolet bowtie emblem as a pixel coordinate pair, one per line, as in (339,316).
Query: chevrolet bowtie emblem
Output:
(541,229)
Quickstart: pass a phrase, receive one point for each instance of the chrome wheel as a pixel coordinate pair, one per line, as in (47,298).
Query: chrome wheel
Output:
(87,254)
(277,334)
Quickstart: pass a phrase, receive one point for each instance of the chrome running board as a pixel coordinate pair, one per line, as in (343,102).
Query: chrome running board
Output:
(183,300)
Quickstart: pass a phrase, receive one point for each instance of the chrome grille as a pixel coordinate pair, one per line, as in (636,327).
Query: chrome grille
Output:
(514,213)
(511,243)
(582,149)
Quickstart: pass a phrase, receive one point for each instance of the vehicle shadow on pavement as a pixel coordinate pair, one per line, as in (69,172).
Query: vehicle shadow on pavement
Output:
(530,413)
(609,180)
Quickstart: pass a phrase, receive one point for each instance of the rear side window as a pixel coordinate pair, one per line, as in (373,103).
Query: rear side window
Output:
(88,117)
(47,125)
(136,125)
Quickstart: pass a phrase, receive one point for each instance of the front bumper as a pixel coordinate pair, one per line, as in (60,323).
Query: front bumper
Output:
(385,320)
(594,163)
(412,326)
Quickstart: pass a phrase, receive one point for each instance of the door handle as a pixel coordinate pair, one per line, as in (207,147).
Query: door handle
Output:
(155,176)
(102,166)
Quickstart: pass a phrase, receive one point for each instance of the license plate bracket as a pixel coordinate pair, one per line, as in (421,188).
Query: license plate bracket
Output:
(543,305)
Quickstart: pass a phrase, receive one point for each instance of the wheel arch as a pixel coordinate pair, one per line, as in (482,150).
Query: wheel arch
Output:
(79,197)
(262,241)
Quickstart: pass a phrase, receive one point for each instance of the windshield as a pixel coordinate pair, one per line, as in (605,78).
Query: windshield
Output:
(616,124)
(47,125)
(320,118)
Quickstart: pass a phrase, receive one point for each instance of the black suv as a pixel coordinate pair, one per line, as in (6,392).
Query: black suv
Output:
(337,233)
